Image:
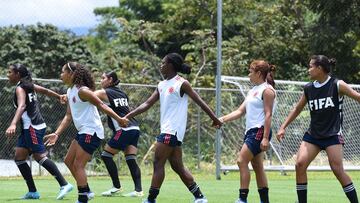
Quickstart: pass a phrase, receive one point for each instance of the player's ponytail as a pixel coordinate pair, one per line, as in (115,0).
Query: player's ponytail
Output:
(267,70)
(25,75)
(113,76)
(178,62)
(324,62)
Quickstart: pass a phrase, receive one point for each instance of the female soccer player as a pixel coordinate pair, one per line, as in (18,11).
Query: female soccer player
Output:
(173,93)
(124,139)
(258,106)
(82,103)
(33,129)
(324,97)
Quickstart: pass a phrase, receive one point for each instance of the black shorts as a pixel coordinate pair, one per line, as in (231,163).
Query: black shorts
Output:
(253,138)
(324,143)
(168,139)
(32,139)
(88,143)
(123,138)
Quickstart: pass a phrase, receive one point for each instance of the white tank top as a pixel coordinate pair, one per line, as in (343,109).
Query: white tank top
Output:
(173,107)
(255,115)
(85,116)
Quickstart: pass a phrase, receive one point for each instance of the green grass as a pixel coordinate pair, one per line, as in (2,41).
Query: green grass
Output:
(322,187)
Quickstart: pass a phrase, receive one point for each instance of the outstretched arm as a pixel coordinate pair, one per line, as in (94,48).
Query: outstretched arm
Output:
(145,106)
(187,89)
(87,95)
(345,89)
(292,115)
(235,114)
(21,105)
(49,93)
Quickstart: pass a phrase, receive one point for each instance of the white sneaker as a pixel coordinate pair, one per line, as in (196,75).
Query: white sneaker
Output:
(239,201)
(64,190)
(201,200)
(112,191)
(134,194)
(90,195)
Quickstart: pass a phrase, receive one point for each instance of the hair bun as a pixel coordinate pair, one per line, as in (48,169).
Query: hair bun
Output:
(272,68)
(332,61)
(186,69)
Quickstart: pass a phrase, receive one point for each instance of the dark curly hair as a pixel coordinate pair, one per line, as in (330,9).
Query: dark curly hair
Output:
(82,75)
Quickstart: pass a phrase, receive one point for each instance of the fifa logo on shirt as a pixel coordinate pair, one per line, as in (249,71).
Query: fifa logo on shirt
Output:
(321,103)
(121,102)
(32,97)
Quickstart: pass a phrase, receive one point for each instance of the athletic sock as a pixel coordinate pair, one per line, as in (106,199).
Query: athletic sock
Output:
(134,170)
(351,193)
(107,157)
(53,170)
(243,193)
(153,193)
(83,192)
(301,189)
(195,190)
(264,194)
(26,173)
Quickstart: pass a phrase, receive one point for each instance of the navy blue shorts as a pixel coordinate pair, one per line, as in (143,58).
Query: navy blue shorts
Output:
(32,139)
(168,139)
(88,143)
(123,138)
(324,143)
(253,138)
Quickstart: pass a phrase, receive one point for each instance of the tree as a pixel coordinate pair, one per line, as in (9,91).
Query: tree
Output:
(42,48)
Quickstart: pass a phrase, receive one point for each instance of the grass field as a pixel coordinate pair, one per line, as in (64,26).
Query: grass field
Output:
(323,187)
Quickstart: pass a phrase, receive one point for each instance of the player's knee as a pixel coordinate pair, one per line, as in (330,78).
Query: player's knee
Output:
(241,162)
(106,155)
(177,169)
(300,166)
(337,169)
(38,157)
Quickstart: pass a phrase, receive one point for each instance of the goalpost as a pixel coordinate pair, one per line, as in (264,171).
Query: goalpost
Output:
(282,156)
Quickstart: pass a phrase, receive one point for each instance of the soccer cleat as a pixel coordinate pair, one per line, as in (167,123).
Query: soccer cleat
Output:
(90,195)
(201,200)
(134,194)
(31,195)
(64,190)
(112,191)
(239,201)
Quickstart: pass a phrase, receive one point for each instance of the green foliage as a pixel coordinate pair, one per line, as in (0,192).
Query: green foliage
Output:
(42,48)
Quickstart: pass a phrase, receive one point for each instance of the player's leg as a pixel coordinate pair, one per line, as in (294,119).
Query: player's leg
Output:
(244,157)
(107,157)
(162,153)
(306,154)
(70,157)
(21,155)
(261,180)
(177,165)
(85,145)
(130,156)
(39,154)
(335,156)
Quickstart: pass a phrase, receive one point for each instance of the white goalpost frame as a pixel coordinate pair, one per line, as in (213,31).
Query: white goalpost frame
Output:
(283,166)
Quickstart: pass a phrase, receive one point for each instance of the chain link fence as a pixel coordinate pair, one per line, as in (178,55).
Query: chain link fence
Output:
(198,144)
